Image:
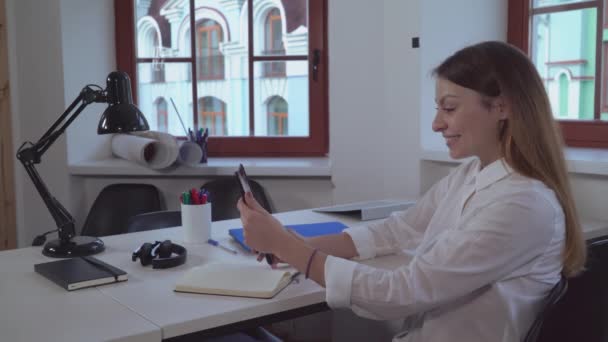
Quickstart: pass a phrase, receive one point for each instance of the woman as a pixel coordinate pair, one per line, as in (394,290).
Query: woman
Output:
(484,245)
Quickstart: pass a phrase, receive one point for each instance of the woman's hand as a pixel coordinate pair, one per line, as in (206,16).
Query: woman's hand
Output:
(275,259)
(261,230)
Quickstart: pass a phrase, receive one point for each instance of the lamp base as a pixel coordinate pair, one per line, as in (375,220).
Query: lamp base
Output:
(76,247)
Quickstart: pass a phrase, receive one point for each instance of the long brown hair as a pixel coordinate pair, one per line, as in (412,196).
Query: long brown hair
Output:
(530,138)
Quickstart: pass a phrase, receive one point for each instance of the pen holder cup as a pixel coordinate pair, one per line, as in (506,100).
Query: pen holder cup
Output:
(190,153)
(196,222)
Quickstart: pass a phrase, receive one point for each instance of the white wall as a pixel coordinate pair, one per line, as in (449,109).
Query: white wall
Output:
(95,34)
(448,26)
(89,55)
(34,29)
(402,65)
(374,99)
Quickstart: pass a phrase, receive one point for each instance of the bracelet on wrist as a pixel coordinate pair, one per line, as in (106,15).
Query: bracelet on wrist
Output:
(312,255)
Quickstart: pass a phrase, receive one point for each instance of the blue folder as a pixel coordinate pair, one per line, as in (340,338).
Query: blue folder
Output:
(306,230)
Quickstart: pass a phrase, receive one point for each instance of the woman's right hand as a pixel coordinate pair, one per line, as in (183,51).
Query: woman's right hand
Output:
(262,231)
(275,259)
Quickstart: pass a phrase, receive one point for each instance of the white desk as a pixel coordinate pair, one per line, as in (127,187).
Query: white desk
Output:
(150,292)
(146,305)
(34,309)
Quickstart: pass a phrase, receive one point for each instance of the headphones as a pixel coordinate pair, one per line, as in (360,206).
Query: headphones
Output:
(160,254)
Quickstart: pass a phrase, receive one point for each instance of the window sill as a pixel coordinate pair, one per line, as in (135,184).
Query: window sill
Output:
(270,167)
(590,161)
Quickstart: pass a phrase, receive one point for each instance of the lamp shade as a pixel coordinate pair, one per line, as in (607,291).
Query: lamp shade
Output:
(122,115)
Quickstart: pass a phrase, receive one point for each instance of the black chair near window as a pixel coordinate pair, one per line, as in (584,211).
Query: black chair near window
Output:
(225,192)
(154,220)
(116,204)
(582,313)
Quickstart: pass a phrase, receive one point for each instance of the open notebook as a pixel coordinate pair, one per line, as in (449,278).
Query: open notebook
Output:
(241,280)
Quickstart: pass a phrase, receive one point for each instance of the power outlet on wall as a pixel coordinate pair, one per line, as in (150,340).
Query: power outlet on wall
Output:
(415,42)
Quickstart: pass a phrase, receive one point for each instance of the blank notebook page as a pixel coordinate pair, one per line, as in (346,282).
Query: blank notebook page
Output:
(234,279)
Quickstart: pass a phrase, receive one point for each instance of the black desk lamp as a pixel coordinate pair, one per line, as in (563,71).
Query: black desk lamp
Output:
(121,116)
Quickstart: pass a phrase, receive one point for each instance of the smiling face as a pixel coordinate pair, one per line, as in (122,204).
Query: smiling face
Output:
(469,125)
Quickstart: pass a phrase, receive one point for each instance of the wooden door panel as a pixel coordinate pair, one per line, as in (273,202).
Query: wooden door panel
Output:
(8,227)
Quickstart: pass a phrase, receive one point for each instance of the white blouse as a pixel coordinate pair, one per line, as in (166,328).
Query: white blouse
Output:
(483,249)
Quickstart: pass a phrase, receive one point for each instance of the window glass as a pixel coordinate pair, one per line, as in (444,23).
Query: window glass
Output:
(228,73)
(545,3)
(563,51)
(176,87)
(161,115)
(283,31)
(278,117)
(160,29)
(210,61)
(212,115)
(276,95)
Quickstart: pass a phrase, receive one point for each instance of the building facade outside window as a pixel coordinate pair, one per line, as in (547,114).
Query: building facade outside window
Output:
(567,40)
(274,44)
(210,58)
(239,57)
(212,115)
(277,116)
(161,115)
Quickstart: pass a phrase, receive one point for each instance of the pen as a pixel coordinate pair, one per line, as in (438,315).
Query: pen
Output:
(186,197)
(217,244)
(194,196)
(179,116)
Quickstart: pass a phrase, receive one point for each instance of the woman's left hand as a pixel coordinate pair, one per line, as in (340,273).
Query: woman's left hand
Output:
(261,230)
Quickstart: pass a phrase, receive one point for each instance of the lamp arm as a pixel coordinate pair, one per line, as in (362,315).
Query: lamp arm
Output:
(63,220)
(87,96)
(29,154)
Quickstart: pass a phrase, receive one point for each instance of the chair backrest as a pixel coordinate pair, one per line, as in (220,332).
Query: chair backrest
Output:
(116,203)
(154,220)
(557,292)
(225,192)
(582,313)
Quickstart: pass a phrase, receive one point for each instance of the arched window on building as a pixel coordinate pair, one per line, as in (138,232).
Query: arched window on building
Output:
(161,115)
(563,95)
(158,68)
(212,115)
(187,49)
(273,44)
(277,116)
(210,63)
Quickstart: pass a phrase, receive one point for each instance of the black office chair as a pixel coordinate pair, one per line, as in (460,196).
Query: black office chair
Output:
(115,205)
(225,192)
(582,313)
(557,292)
(154,220)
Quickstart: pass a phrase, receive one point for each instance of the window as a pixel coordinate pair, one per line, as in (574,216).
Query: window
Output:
(158,72)
(274,44)
(277,116)
(161,115)
(565,40)
(234,73)
(212,115)
(210,59)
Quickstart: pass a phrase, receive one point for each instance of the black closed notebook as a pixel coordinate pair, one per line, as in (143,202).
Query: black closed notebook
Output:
(79,272)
